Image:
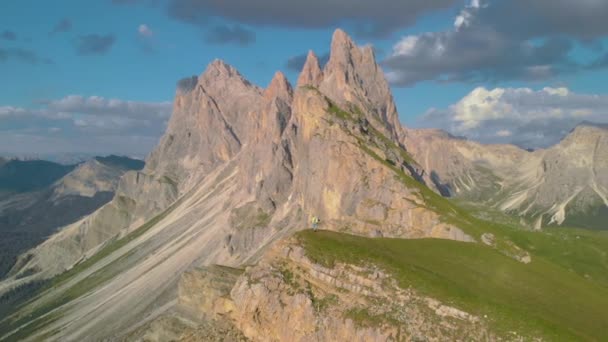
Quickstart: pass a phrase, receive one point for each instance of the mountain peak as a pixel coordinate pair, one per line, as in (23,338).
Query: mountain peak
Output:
(341,40)
(352,75)
(220,65)
(311,72)
(279,86)
(343,51)
(218,69)
(585,133)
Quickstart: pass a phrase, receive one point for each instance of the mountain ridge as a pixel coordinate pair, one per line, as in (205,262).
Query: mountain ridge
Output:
(520,182)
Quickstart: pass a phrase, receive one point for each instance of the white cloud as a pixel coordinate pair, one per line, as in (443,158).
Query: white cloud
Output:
(77,123)
(406,46)
(6,111)
(100,106)
(467,14)
(504,133)
(485,44)
(145,30)
(557,91)
(523,116)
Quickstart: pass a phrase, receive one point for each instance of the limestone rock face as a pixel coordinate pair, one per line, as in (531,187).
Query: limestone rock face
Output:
(289,297)
(457,166)
(352,76)
(203,292)
(210,123)
(345,184)
(311,74)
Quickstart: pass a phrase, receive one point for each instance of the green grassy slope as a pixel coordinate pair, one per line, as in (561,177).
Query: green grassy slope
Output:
(542,298)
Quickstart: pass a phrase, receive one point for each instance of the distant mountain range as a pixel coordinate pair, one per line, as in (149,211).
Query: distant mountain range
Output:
(59,158)
(37,197)
(564,185)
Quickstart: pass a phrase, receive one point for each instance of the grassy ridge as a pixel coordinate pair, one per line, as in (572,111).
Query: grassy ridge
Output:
(537,299)
(581,251)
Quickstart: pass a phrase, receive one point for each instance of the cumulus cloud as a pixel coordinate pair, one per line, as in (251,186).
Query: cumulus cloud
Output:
(100,106)
(230,34)
(10,111)
(94,44)
(522,116)
(584,19)
(479,56)
(77,122)
(371,18)
(65,25)
(485,44)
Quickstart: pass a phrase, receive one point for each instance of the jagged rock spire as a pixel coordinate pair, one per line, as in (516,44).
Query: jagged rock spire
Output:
(279,87)
(311,72)
(353,75)
(341,48)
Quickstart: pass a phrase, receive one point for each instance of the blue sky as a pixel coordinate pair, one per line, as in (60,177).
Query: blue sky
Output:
(78,76)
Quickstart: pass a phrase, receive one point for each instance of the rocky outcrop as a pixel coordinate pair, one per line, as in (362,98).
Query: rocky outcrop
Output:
(204,293)
(289,297)
(311,74)
(352,76)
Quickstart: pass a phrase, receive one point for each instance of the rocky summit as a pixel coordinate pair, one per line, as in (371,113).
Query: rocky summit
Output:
(211,239)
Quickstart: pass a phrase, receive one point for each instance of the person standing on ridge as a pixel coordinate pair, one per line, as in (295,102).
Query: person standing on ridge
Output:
(315,223)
